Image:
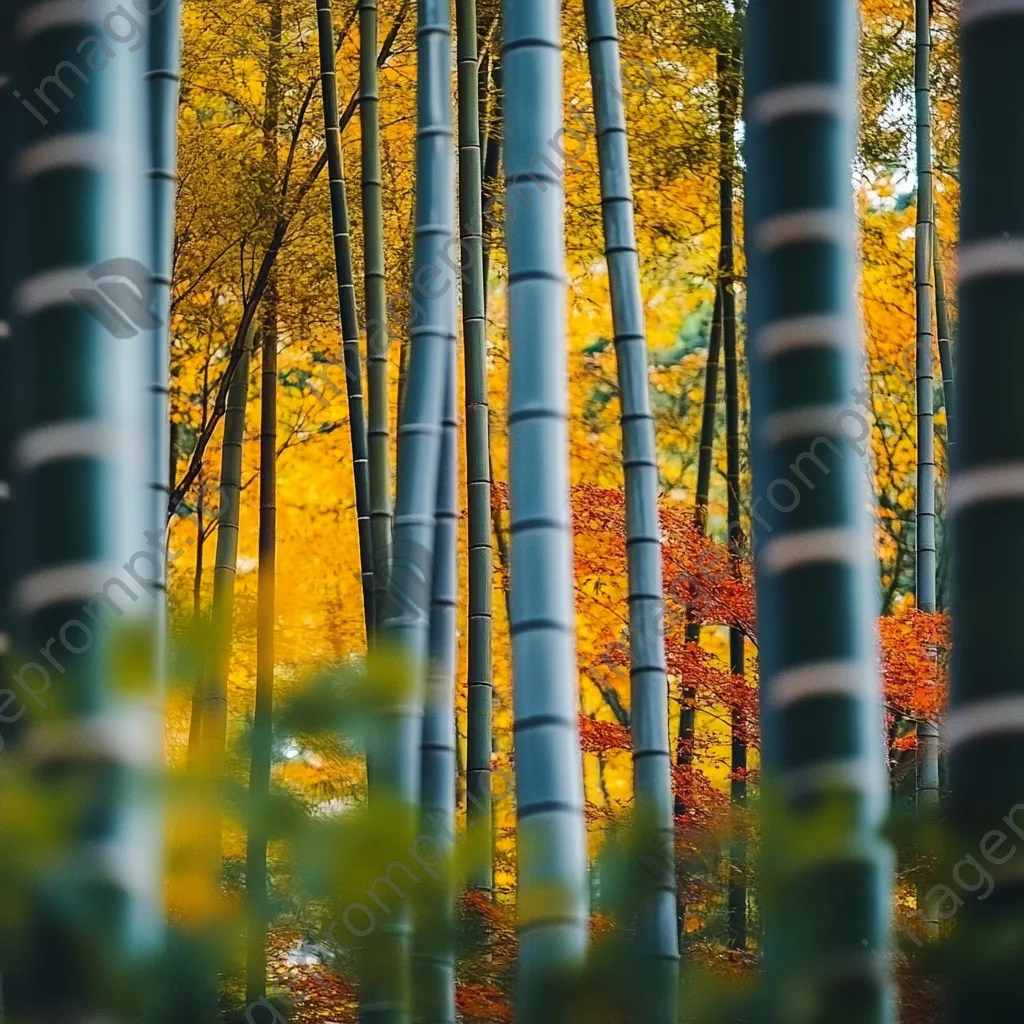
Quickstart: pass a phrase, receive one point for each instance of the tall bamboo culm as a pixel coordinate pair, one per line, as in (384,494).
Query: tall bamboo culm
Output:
(927,750)
(377,339)
(434,991)
(347,309)
(985,727)
(552,846)
(395,765)
(923,259)
(82,436)
(652,762)
(478,474)
(826,872)
(163,50)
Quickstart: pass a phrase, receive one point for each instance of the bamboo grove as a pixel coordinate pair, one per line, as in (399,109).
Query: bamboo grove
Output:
(509,511)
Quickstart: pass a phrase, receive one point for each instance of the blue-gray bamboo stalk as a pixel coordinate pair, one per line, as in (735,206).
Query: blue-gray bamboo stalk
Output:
(552,847)
(657,941)
(826,870)
(395,766)
(924,309)
(434,989)
(478,474)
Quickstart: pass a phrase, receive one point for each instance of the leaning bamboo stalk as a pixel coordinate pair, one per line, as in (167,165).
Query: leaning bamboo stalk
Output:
(478,477)
(552,848)
(652,780)
(347,308)
(377,345)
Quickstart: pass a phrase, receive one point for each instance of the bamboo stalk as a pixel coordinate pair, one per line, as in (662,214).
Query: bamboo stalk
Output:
(377,344)
(657,942)
(347,308)
(826,871)
(552,849)
(985,724)
(478,476)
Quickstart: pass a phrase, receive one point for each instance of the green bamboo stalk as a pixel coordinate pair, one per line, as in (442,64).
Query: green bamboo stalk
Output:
(434,990)
(923,258)
(552,847)
(478,476)
(728,70)
(347,307)
(81,437)
(985,726)
(657,941)
(945,349)
(826,871)
(376,307)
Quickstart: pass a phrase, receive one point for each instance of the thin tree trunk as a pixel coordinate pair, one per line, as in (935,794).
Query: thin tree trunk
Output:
(552,848)
(826,871)
(256,877)
(215,696)
(347,308)
(945,349)
(707,424)
(728,69)
(195,725)
(377,344)
(923,259)
(657,941)
(478,477)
